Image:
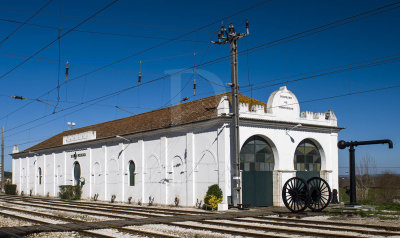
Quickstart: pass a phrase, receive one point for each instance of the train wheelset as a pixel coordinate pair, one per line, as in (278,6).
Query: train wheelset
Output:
(298,194)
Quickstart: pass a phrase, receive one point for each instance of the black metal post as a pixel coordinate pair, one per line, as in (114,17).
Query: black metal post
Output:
(352,161)
(352,166)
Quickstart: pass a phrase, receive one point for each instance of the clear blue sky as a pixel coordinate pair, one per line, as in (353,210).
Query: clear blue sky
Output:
(128,27)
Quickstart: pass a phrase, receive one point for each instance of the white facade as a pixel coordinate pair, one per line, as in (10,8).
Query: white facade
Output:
(181,161)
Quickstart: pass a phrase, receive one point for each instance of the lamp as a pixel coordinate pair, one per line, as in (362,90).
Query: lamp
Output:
(121,137)
(287,131)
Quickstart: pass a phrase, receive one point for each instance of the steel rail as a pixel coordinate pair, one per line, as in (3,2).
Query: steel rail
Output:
(285,230)
(332,227)
(388,228)
(96,204)
(72,220)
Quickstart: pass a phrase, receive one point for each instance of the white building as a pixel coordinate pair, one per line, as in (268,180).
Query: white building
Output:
(181,150)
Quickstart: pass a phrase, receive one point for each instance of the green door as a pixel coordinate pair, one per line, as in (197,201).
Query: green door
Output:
(306,175)
(257,164)
(257,188)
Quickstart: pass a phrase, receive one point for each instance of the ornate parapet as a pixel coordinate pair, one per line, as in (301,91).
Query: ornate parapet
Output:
(282,106)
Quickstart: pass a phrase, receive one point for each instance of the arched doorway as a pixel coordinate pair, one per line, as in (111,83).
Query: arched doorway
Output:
(307,160)
(257,165)
(77,173)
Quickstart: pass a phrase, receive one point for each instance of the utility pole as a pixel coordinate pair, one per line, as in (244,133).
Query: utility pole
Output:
(231,37)
(2,158)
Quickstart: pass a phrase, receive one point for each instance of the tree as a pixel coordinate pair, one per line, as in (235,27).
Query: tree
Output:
(365,179)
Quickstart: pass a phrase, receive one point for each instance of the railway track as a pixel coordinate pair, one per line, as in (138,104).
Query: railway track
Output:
(101,204)
(333,223)
(220,224)
(74,220)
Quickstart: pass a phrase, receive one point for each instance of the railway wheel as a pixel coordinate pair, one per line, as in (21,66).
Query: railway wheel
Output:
(295,194)
(320,194)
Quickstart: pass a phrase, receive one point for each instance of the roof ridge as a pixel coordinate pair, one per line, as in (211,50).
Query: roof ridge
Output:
(152,111)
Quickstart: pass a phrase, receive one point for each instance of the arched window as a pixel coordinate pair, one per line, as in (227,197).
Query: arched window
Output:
(131,173)
(40,175)
(77,172)
(307,157)
(256,155)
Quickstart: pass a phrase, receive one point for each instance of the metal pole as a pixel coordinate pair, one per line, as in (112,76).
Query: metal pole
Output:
(235,122)
(231,36)
(2,158)
(352,161)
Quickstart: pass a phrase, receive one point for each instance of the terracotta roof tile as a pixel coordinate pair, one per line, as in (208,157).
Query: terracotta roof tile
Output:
(198,110)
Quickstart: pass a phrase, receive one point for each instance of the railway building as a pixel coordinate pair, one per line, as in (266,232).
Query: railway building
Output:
(178,151)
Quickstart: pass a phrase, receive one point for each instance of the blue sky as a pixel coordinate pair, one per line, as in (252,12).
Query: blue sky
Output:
(129,27)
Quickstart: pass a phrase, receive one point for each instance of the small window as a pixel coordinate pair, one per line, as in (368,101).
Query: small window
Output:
(131,173)
(40,175)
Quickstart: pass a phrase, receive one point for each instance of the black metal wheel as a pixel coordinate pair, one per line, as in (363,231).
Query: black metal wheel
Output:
(320,194)
(295,194)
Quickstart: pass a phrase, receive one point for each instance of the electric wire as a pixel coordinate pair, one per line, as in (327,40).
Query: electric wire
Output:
(52,42)
(314,30)
(102,20)
(259,46)
(145,50)
(374,63)
(102,32)
(300,102)
(368,64)
(59,58)
(104,97)
(25,22)
(53,60)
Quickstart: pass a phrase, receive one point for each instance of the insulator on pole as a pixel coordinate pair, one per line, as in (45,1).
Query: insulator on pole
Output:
(140,73)
(194,87)
(219,35)
(247,26)
(223,30)
(66,71)
(18,97)
(185,99)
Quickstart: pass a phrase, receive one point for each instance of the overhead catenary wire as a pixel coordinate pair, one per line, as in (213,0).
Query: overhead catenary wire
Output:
(277,41)
(25,22)
(142,51)
(52,42)
(104,33)
(77,62)
(374,63)
(129,88)
(304,101)
(59,58)
(102,20)
(104,97)
(368,64)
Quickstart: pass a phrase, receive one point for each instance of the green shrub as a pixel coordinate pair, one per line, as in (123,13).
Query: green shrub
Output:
(10,189)
(212,201)
(70,192)
(213,197)
(214,190)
